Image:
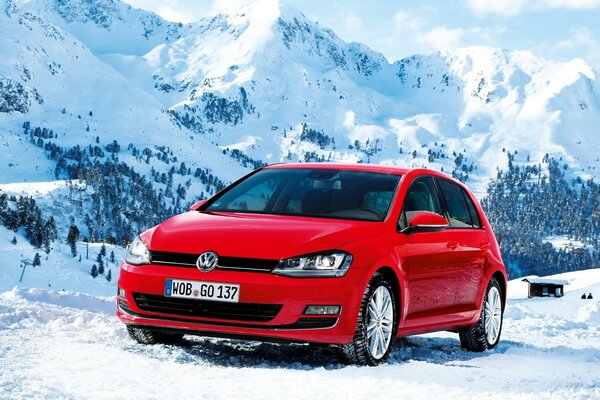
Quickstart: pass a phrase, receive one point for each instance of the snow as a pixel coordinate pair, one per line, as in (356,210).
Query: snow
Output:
(59,270)
(564,242)
(33,189)
(66,344)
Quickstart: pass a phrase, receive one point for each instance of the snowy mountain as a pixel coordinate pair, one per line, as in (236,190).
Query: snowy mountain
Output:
(140,116)
(256,81)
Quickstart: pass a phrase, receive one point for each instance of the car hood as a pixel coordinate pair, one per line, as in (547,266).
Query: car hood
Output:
(255,235)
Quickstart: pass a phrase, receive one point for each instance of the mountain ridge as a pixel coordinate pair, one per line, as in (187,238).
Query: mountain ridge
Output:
(176,111)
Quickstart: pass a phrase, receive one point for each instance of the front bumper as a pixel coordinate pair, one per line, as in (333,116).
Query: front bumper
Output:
(256,289)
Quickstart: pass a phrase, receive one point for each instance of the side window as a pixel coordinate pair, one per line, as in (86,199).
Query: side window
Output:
(456,204)
(473,211)
(421,196)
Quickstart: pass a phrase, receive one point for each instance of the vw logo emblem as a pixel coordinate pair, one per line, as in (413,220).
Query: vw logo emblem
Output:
(207,261)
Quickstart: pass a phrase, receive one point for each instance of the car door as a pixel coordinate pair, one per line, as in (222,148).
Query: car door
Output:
(428,259)
(465,228)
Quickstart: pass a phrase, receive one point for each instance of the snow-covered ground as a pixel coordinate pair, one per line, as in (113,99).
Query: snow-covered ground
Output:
(70,345)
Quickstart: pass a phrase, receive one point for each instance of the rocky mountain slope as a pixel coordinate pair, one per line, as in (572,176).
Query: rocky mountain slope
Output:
(142,116)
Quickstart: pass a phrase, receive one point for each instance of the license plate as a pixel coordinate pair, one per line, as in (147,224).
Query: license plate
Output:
(202,290)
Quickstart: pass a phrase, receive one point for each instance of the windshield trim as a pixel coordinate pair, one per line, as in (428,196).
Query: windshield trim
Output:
(320,216)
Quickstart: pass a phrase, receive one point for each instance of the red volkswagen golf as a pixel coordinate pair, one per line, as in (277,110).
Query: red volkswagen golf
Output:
(350,255)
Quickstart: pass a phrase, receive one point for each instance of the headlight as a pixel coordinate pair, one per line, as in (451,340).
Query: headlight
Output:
(137,253)
(326,264)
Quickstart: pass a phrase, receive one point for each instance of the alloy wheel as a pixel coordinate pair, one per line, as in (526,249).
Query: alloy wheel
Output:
(493,315)
(380,322)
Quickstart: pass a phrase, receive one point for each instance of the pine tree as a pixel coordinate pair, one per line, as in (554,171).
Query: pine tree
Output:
(94,271)
(111,258)
(109,275)
(50,229)
(37,261)
(48,233)
(103,250)
(100,267)
(72,238)
(14,240)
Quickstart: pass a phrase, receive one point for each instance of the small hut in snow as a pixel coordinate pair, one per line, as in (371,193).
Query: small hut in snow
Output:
(544,287)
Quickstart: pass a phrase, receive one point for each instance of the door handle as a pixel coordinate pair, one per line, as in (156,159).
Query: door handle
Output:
(484,245)
(452,245)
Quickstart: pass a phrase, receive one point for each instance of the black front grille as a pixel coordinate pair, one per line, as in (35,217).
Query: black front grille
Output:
(207,309)
(235,263)
(167,258)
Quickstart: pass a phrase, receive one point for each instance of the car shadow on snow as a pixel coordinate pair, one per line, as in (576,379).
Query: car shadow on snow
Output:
(234,353)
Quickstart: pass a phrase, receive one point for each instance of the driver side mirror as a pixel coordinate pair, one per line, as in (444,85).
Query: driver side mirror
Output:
(196,205)
(425,221)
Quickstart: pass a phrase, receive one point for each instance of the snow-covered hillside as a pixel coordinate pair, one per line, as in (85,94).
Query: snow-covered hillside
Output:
(113,119)
(70,345)
(59,270)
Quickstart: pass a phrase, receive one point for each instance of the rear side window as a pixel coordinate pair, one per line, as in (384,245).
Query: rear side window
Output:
(473,211)
(460,208)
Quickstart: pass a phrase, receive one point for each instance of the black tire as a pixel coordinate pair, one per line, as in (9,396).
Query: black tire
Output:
(476,338)
(357,351)
(146,336)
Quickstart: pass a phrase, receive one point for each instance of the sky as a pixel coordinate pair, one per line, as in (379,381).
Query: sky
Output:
(555,29)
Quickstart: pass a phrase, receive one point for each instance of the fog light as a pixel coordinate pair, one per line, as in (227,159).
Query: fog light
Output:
(322,310)
(121,292)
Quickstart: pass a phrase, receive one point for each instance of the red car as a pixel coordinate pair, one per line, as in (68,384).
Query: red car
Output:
(350,255)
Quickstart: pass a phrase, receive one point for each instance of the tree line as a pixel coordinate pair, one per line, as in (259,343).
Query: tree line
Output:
(24,213)
(528,205)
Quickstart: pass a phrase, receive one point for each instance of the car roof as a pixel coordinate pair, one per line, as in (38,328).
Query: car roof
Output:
(387,169)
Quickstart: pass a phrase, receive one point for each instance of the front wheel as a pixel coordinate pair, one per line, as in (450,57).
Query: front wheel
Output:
(376,325)
(486,334)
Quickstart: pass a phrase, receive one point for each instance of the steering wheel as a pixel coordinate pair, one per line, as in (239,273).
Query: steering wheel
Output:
(371,210)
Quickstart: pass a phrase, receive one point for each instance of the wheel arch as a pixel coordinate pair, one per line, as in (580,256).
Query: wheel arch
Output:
(501,279)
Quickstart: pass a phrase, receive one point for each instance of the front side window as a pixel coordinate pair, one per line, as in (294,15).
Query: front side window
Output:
(326,193)
(456,205)
(421,196)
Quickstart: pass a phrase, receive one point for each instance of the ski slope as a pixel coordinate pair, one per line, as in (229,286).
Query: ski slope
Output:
(70,345)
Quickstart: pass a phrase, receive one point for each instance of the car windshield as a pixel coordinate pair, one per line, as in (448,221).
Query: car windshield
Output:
(324,193)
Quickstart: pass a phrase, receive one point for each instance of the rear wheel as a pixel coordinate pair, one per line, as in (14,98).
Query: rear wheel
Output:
(376,326)
(486,334)
(146,336)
